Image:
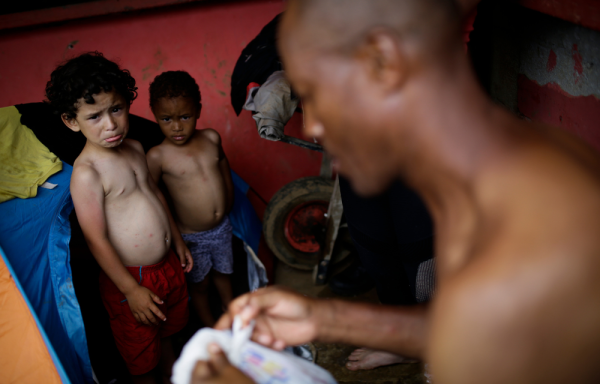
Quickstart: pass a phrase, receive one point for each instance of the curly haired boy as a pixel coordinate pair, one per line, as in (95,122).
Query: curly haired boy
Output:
(123,215)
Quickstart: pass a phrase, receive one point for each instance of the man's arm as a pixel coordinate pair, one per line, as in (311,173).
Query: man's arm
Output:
(88,199)
(287,318)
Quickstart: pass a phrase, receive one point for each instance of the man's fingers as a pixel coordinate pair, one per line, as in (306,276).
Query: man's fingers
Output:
(239,303)
(225,322)
(279,345)
(201,371)
(263,338)
(217,357)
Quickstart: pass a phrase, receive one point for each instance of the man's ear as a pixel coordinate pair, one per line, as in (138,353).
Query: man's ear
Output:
(385,60)
(71,123)
(199,109)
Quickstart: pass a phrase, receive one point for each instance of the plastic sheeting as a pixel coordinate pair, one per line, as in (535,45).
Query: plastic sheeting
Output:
(246,224)
(247,227)
(35,235)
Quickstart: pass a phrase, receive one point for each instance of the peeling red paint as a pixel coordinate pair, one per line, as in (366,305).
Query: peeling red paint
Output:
(551,64)
(550,104)
(577,66)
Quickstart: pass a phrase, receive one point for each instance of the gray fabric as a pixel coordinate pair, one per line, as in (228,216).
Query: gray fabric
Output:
(425,285)
(273,104)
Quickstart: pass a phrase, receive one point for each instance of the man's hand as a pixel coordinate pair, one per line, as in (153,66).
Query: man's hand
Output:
(282,317)
(142,304)
(218,370)
(185,256)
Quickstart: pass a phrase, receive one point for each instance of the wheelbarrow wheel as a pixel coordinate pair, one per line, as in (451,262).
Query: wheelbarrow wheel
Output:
(294,223)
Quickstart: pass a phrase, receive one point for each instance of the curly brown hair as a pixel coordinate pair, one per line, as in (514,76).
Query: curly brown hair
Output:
(83,77)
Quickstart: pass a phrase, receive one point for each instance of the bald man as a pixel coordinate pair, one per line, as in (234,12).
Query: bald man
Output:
(516,205)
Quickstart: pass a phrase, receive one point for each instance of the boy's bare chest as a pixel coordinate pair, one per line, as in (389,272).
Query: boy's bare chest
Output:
(123,175)
(192,162)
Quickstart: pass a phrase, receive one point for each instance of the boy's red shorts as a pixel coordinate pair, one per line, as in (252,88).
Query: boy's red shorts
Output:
(139,344)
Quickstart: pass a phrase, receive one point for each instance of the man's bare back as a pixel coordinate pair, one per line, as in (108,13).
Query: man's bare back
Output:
(516,206)
(193,175)
(137,224)
(518,269)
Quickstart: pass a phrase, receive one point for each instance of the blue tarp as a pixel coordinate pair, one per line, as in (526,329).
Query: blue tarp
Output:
(35,235)
(246,224)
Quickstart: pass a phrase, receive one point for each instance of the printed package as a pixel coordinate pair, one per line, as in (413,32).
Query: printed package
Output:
(262,364)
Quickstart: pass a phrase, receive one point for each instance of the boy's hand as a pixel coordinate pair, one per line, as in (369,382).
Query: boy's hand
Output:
(184,255)
(142,304)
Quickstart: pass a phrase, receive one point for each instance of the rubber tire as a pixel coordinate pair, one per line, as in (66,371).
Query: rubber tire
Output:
(289,196)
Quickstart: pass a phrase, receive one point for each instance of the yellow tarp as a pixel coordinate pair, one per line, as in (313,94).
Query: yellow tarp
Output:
(24,357)
(25,163)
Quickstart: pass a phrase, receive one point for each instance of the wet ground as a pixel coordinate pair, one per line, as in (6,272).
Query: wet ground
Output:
(333,356)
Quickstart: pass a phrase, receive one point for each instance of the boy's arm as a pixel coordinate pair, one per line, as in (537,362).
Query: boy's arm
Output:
(226,174)
(88,199)
(154,164)
(184,254)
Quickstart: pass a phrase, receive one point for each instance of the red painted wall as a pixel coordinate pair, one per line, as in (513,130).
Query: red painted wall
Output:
(204,40)
(549,104)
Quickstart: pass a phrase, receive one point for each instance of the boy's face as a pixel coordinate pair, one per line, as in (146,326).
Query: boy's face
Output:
(104,123)
(176,117)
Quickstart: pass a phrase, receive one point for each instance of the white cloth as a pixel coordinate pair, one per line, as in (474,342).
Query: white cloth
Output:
(262,364)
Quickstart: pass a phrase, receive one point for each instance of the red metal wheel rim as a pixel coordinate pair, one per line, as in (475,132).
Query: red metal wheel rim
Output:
(302,223)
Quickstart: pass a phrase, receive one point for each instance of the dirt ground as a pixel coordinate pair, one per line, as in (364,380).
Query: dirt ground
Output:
(333,356)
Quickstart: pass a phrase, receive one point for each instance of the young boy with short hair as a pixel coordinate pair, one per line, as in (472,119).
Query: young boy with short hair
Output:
(195,171)
(123,215)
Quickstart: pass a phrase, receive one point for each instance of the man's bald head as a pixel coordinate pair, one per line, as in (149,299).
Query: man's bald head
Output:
(365,69)
(341,25)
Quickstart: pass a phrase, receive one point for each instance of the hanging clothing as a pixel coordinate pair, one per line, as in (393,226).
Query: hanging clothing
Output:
(256,63)
(273,104)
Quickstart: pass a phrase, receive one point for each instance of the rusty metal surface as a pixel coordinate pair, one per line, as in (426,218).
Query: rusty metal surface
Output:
(334,218)
(79,11)
(582,12)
